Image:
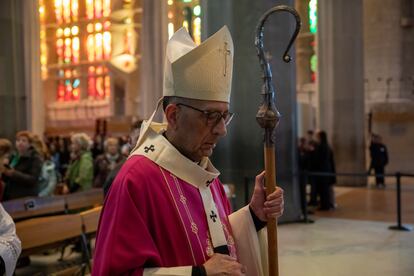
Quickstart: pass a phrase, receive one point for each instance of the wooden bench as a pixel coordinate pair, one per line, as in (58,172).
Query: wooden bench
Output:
(34,206)
(85,199)
(90,219)
(38,234)
(29,207)
(44,232)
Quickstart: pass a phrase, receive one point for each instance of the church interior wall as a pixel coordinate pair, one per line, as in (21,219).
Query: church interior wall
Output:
(389,77)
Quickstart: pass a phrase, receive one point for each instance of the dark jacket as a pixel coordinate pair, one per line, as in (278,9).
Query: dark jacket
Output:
(24,180)
(323,161)
(379,155)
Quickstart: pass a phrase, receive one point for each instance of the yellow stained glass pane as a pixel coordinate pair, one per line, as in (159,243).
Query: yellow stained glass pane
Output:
(66,32)
(106,7)
(58,11)
(98,46)
(75,10)
(75,30)
(66,11)
(90,42)
(98,8)
(89,9)
(98,27)
(107,44)
(59,32)
(197,30)
(89,28)
(59,43)
(75,49)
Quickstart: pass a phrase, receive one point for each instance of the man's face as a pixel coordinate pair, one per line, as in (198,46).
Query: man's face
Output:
(195,136)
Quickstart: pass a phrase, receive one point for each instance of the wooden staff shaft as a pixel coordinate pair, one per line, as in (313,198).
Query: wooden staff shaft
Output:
(270,183)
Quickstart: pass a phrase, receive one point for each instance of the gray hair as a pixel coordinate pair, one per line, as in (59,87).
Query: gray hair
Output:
(83,140)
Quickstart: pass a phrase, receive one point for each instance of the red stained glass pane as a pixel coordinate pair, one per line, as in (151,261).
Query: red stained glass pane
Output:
(107,87)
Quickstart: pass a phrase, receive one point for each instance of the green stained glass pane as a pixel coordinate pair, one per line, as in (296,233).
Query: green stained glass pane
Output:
(313,16)
(197,10)
(314,63)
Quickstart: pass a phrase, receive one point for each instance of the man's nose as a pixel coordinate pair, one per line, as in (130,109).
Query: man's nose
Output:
(220,128)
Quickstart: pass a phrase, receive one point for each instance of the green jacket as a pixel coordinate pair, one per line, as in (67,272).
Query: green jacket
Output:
(80,173)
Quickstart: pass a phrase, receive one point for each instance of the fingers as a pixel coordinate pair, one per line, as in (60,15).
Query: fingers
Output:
(260,177)
(274,205)
(278,193)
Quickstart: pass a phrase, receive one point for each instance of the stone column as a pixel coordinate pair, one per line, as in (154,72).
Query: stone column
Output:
(341,86)
(12,91)
(240,154)
(153,40)
(33,81)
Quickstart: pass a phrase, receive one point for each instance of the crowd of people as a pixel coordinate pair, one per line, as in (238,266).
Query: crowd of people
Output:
(60,165)
(316,156)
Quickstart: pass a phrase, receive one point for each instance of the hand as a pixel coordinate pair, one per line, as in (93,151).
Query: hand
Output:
(266,207)
(220,264)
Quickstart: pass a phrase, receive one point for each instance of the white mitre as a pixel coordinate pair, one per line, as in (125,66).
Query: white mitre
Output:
(202,72)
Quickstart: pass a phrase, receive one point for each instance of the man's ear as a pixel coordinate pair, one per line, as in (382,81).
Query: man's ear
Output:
(171,114)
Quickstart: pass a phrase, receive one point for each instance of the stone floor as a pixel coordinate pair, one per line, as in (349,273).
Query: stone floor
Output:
(353,240)
(343,247)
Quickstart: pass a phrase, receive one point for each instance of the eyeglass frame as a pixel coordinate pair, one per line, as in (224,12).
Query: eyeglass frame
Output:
(208,113)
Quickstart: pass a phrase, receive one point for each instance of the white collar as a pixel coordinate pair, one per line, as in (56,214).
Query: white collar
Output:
(158,149)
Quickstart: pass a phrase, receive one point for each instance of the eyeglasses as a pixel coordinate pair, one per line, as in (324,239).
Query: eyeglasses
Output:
(212,117)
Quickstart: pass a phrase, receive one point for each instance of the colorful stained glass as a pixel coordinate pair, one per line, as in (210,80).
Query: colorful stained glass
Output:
(98,46)
(197,30)
(98,8)
(107,86)
(107,44)
(107,25)
(66,31)
(59,32)
(106,7)
(98,27)
(66,11)
(69,48)
(197,10)
(313,16)
(89,9)
(74,9)
(75,30)
(170,30)
(75,49)
(58,11)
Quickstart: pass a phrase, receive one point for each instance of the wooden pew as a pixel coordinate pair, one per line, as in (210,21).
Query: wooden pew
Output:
(34,206)
(85,199)
(44,232)
(29,207)
(90,219)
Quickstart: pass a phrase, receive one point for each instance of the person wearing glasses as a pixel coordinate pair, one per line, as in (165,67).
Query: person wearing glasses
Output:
(167,212)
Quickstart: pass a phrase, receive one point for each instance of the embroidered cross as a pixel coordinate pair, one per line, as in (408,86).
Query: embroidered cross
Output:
(226,52)
(213,216)
(150,148)
(208,182)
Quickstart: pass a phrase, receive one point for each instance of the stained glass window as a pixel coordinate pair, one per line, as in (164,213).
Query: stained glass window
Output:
(78,34)
(313,28)
(185,13)
(43,43)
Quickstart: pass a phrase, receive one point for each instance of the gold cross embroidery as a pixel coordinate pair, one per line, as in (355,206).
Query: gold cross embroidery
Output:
(226,52)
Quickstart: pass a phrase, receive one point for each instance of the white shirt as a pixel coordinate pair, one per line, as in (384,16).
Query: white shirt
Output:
(10,246)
